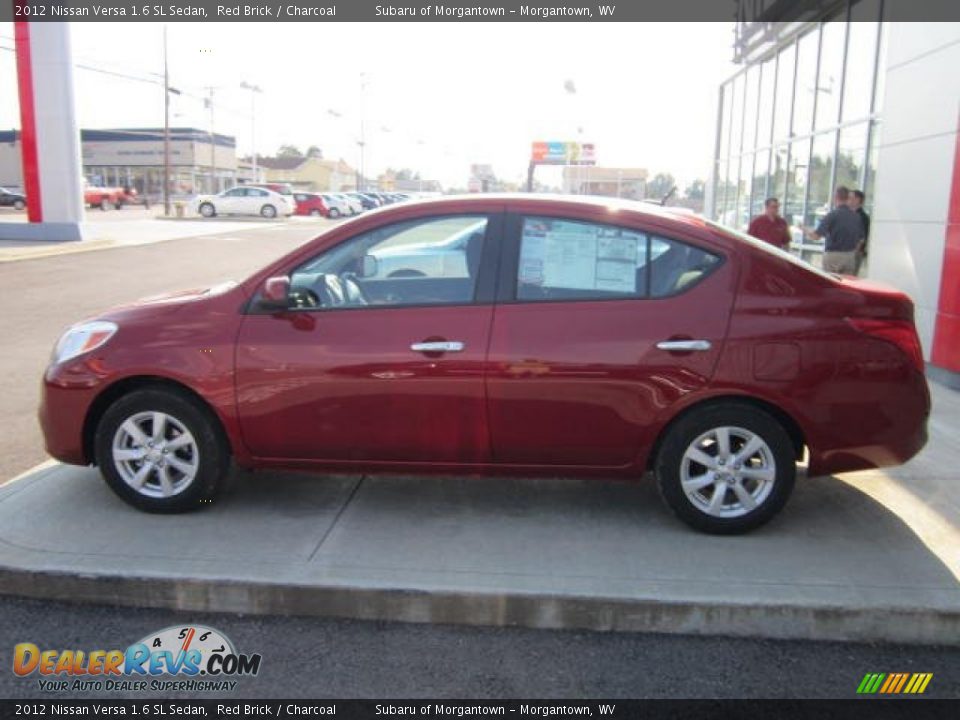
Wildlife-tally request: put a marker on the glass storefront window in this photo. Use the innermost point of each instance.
(853, 145)
(743, 191)
(870, 172)
(758, 191)
(765, 102)
(806, 83)
(861, 54)
(821, 172)
(724, 120)
(796, 183)
(784, 99)
(750, 109)
(832, 41)
(736, 128)
(881, 75)
(778, 175)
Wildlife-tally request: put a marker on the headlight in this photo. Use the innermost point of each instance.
(81, 339)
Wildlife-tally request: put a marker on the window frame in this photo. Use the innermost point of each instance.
(510, 259)
(484, 291)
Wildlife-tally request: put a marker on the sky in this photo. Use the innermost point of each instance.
(434, 97)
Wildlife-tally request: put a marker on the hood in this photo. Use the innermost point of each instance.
(167, 302)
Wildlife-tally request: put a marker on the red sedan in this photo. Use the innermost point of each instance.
(572, 337)
(310, 204)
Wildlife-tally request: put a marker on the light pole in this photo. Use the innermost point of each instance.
(254, 89)
(208, 102)
(363, 112)
(166, 126)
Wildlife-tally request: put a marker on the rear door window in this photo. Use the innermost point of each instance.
(575, 260)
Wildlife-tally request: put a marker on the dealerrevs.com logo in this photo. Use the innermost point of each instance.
(193, 658)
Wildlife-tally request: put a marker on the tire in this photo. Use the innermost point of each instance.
(334, 213)
(268, 211)
(19, 204)
(118, 205)
(315, 213)
(765, 479)
(202, 459)
(207, 210)
(104, 204)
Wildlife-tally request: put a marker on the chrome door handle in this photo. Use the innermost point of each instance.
(683, 345)
(443, 346)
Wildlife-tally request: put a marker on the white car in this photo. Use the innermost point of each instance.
(356, 207)
(444, 258)
(245, 201)
(337, 205)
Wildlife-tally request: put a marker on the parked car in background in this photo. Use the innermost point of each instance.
(366, 202)
(9, 198)
(311, 204)
(355, 206)
(442, 258)
(569, 346)
(282, 188)
(336, 205)
(245, 200)
(105, 197)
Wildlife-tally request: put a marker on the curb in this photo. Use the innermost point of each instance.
(913, 626)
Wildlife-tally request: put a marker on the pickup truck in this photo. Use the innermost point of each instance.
(104, 197)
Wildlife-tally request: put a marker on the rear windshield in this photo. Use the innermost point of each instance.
(767, 247)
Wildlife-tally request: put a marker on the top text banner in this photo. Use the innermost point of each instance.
(412, 11)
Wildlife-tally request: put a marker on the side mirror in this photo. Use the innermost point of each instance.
(275, 293)
(370, 266)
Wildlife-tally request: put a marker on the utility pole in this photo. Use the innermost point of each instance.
(254, 89)
(213, 142)
(363, 112)
(166, 127)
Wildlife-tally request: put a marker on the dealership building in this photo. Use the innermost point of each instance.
(834, 94)
(200, 162)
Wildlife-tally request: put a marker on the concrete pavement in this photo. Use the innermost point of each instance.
(873, 556)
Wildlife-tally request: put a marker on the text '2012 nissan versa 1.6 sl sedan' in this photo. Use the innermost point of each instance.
(570, 337)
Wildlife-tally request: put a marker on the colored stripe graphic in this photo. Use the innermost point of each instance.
(894, 683)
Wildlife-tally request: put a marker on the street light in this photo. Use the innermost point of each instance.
(254, 89)
(167, 91)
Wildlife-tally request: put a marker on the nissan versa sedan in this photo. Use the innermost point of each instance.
(587, 338)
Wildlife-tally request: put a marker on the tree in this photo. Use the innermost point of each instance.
(695, 190)
(661, 184)
(314, 151)
(289, 151)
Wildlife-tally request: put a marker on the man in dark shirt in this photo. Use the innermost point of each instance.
(841, 230)
(770, 227)
(856, 204)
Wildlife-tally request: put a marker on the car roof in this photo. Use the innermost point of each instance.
(542, 202)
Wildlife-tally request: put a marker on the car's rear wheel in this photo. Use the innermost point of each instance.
(207, 210)
(315, 213)
(334, 213)
(726, 469)
(268, 211)
(18, 205)
(104, 203)
(161, 451)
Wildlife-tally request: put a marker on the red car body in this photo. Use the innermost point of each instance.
(310, 204)
(550, 388)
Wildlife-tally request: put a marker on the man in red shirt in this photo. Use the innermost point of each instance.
(770, 227)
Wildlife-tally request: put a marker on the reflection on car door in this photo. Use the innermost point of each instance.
(575, 373)
(380, 382)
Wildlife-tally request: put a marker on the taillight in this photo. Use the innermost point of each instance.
(899, 332)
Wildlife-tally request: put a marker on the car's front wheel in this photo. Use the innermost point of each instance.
(161, 451)
(19, 204)
(726, 469)
(207, 210)
(334, 213)
(268, 211)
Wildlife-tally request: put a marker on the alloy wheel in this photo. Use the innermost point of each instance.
(155, 454)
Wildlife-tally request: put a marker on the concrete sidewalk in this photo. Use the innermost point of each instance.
(136, 226)
(874, 556)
